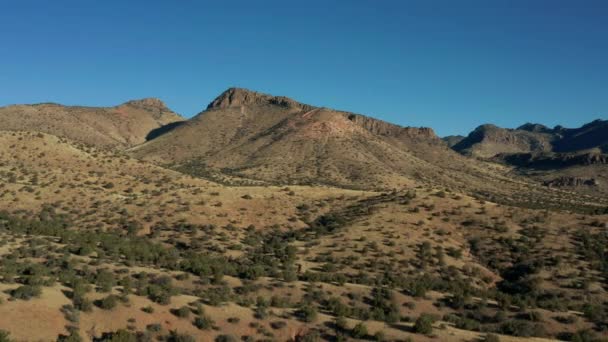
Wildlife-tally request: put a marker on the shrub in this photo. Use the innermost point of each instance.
(174, 336)
(424, 324)
(154, 327)
(226, 338)
(522, 328)
(379, 336)
(278, 325)
(82, 303)
(4, 336)
(491, 338)
(26, 292)
(121, 335)
(203, 322)
(74, 336)
(108, 303)
(341, 323)
(359, 331)
(308, 313)
(182, 312)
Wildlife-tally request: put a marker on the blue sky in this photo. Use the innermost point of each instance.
(450, 65)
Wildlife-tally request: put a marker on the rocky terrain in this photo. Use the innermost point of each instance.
(264, 219)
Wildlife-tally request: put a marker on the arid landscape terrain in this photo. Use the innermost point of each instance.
(266, 219)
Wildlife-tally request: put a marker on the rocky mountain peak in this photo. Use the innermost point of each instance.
(150, 103)
(236, 97)
(534, 127)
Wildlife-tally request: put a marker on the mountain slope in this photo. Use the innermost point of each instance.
(120, 126)
(280, 141)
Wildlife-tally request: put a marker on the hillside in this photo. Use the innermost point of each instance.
(104, 246)
(121, 126)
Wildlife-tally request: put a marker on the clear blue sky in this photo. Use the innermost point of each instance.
(450, 65)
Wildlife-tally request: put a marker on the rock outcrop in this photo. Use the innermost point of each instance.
(234, 97)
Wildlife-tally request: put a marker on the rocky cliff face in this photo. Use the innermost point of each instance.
(382, 128)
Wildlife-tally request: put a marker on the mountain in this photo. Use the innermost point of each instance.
(487, 141)
(452, 140)
(572, 158)
(121, 126)
(277, 139)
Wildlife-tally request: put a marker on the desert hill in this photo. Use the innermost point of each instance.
(121, 126)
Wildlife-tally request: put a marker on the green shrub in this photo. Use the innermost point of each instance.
(307, 313)
(174, 336)
(424, 324)
(108, 303)
(182, 312)
(203, 322)
(4, 336)
(26, 292)
(121, 335)
(226, 338)
(491, 338)
(359, 331)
